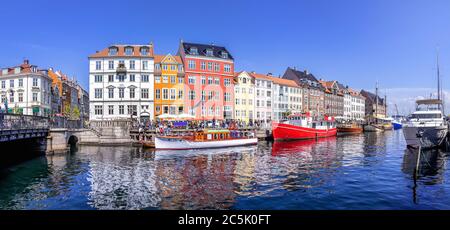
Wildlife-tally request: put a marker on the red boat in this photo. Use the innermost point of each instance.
(302, 126)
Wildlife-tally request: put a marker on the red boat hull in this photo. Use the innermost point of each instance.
(291, 132)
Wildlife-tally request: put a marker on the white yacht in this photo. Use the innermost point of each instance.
(427, 126)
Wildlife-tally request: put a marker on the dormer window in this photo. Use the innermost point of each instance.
(112, 51)
(193, 51)
(129, 51)
(209, 52)
(224, 54)
(144, 51)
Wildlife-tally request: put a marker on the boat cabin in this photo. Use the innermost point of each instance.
(221, 134)
(305, 120)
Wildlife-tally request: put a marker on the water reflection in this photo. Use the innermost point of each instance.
(357, 172)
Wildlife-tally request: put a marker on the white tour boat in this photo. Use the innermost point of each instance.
(206, 139)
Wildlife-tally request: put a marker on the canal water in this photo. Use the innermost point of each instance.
(367, 171)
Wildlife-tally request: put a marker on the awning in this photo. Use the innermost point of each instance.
(36, 109)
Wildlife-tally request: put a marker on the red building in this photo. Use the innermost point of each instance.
(209, 86)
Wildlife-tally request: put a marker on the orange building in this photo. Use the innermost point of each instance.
(169, 85)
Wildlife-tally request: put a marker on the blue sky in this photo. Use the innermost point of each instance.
(354, 41)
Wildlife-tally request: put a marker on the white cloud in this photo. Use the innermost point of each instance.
(405, 99)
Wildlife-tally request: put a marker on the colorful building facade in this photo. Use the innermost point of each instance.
(169, 85)
(244, 93)
(209, 81)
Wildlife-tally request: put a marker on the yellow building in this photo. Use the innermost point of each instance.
(169, 85)
(244, 97)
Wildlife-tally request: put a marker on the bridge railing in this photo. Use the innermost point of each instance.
(63, 122)
(17, 121)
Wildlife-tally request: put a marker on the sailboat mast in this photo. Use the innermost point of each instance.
(376, 99)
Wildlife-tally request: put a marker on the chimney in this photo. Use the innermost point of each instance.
(26, 62)
(306, 72)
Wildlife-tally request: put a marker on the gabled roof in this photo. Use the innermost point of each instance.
(161, 58)
(372, 97)
(201, 50)
(301, 77)
(121, 51)
(25, 67)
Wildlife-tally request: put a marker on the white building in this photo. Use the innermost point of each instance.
(263, 98)
(121, 82)
(25, 90)
(358, 106)
(286, 98)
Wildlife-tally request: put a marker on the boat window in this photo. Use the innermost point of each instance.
(209, 137)
(215, 136)
(426, 116)
(221, 136)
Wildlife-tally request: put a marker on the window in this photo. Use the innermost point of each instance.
(158, 109)
(269, 104)
(224, 54)
(209, 66)
(132, 64)
(227, 82)
(132, 78)
(110, 78)
(98, 110)
(20, 97)
(244, 101)
(111, 93)
(98, 93)
(144, 93)
(237, 101)
(203, 95)
(173, 94)
(11, 83)
(35, 97)
(130, 109)
(98, 78)
(216, 67)
(144, 65)
(203, 65)
(157, 79)
(210, 95)
(269, 93)
(203, 80)
(210, 80)
(144, 78)
(158, 94)
(180, 80)
(193, 50)
(173, 79)
(128, 51)
(121, 92)
(165, 79)
(121, 109)
(164, 67)
(121, 77)
(191, 64)
(110, 109)
(227, 97)
(112, 51)
(110, 65)
(165, 94)
(157, 66)
(217, 81)
(144, 51)
(191, 80)
(227, 68)
(132, 92)
(217, 111)
(209, 52)
(191, 94)
(250, 101)
(173, 67)
(3, 84)
(98, 65)
(35, 82)
(11, 96)
(180, 94)
(165, 109)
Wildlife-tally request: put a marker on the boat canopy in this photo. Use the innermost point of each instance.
(217, 131)
(429, 102)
